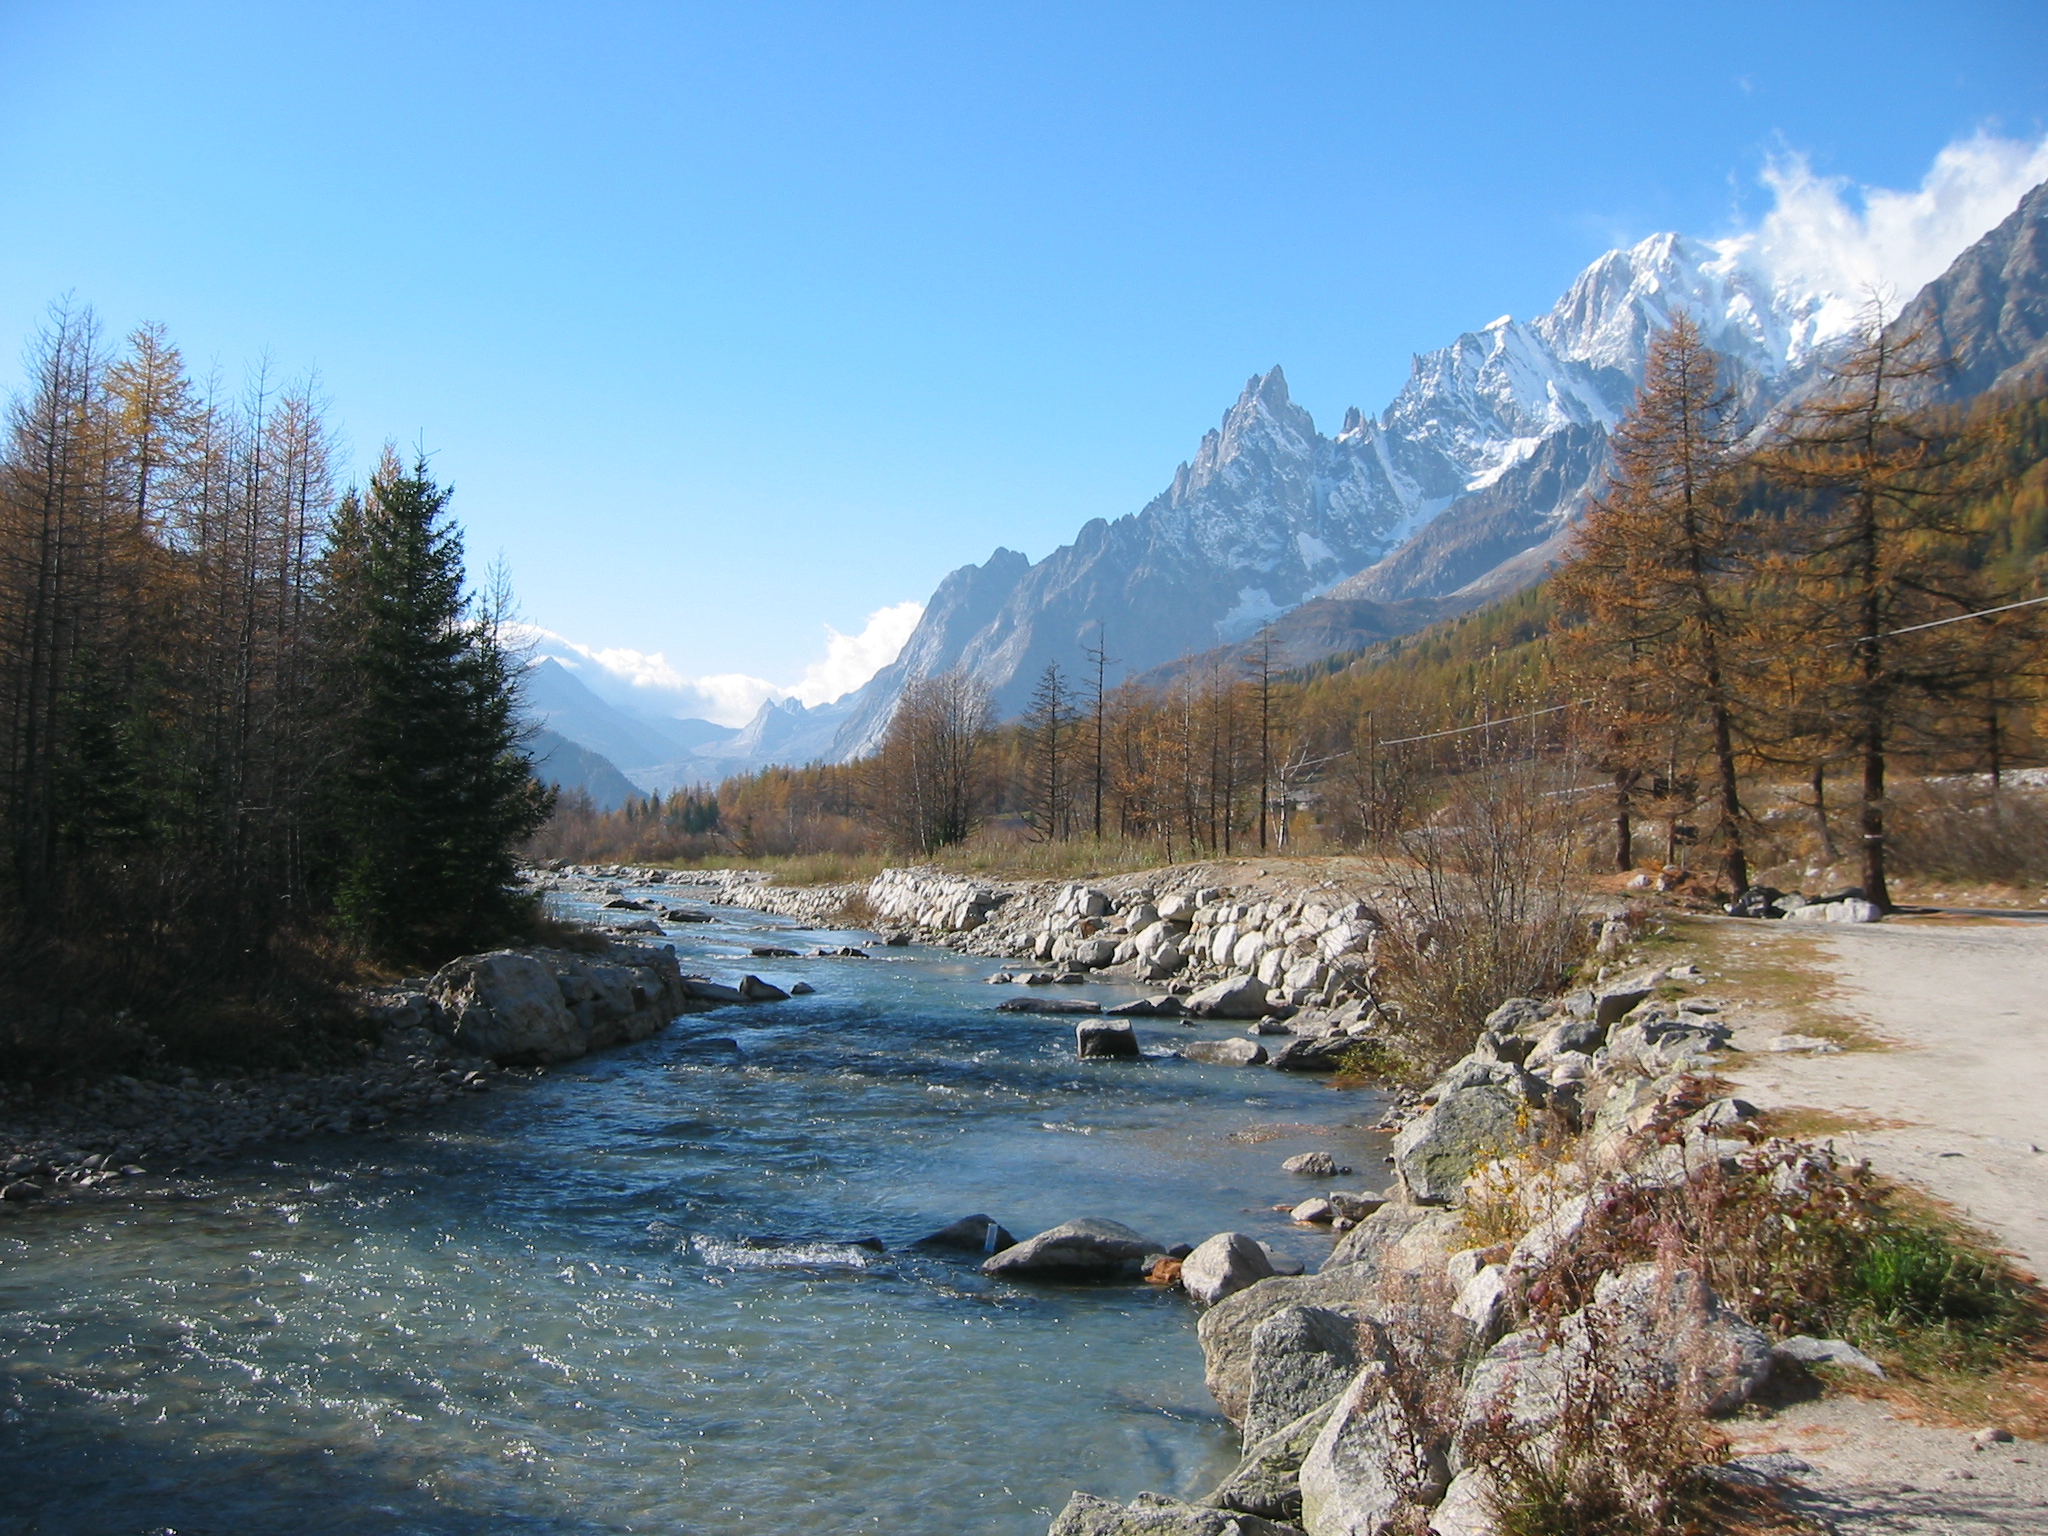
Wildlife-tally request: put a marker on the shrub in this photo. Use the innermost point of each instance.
(1489, 909)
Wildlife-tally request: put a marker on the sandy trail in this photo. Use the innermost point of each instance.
(1959, 1106)
(1962, 1097)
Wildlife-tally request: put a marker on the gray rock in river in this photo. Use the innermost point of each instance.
(755, 990)
(507, 1006)
(1106, 1040)
(1314, 1165)
(1088, 1248)
(1048, 1005)
(970, 1234)
(1236, 1052)
(1268, 1480)
(1222, 1266)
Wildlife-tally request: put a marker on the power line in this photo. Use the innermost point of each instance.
(1484, 725)
(1981, 613)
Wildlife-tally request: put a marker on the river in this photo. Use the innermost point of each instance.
(630, 1296)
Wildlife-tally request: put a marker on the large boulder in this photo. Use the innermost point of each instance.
(1438, 1151)
(1048, 1005)
(970, 1234)
(1234, 1052)
(1222, 1266)
(1235, 997)
(1399, 1240)
(1371, 1461)
(1093, 954)
(1303, 1054)
(1648, 1329)
(1106, 1040)
(1088, 1248)
(1267, 1481)
(1153, 1514)
(1226, 1331)
(1301, 1358)
(507, 1006)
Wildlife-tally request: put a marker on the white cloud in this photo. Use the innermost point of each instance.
(851, 660)
(646, 680)
(1826, 235)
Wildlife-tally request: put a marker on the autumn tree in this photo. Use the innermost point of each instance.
(1652, 582)
(1883, 554)
(929, 773)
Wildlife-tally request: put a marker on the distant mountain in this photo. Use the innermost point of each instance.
(559, 761)
(560, 700)
(1441, 501)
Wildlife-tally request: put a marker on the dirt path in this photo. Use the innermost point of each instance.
(1959, 1103)
(1955, 1100)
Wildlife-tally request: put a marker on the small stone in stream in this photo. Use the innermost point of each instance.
(1180, 1250)
(1037, 978)
(844, 952)
(625, 904)
(801, 989)
(896, 940)
(1225, 1053)
(1315, 1209)
(1001, 979)
(970, 1234)
(772, 952)
(21, 1189)
(1106, 1040)
(754, 990)
(683, 915)
(1314, 1165)
(1269, 1027)
(1072, 979)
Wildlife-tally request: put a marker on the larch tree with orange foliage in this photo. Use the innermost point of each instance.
(1652, 579)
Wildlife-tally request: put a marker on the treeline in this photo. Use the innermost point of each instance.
(1805, 603)
(251, 724)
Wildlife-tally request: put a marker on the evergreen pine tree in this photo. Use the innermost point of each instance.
(434, 793)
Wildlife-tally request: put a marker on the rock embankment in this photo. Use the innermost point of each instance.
(1368, 1393)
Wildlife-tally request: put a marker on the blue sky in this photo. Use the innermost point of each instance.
(731, 323)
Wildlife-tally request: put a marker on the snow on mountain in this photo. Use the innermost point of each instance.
(1269, 513)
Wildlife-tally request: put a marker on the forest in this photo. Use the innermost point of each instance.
(1843, 599)
(259, 737)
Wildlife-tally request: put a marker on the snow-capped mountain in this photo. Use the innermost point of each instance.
(1484, 454)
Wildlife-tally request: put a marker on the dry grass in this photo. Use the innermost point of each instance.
(1777, 969)
(1801, 1122)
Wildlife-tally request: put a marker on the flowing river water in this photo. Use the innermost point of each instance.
(630, 1296)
